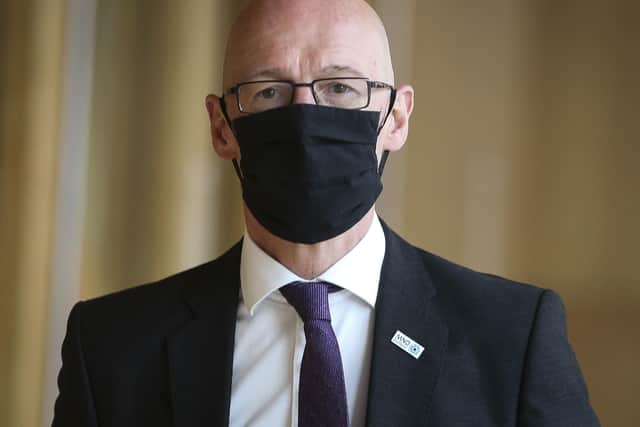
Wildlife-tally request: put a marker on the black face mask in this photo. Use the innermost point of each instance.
(309, 172)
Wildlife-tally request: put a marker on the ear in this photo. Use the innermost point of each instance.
(394, 134)
(222, 138)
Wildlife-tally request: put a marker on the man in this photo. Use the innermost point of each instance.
(321, 315)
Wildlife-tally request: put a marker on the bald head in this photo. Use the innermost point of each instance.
(303, 40)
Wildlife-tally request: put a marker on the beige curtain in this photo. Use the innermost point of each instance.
(522, 160)
(31, 34)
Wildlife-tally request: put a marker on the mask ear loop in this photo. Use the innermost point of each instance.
(223, 108)
(385, 153)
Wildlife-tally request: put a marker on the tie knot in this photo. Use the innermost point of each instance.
(310, 299)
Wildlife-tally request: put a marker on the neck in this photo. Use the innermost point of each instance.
(307, 260)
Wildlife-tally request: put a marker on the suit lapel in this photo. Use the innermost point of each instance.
(401, 387)
(201, 352)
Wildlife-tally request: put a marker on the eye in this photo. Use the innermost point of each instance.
(267, 93)
(339, 88)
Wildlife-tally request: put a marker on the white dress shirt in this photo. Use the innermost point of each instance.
(269, 338)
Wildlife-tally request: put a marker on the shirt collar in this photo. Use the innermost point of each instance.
(358, 271)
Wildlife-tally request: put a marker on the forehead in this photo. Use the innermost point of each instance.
(302, 45)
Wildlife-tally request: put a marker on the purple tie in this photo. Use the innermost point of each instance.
(322, 399)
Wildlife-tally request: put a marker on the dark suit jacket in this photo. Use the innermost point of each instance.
(496, 352)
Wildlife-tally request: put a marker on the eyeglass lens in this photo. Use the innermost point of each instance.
(254, 97)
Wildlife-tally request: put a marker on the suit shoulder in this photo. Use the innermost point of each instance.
(452, 278)
(490, 314)
(165, 289)
(483, 304)
(152, 300)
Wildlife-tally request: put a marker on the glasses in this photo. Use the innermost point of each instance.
(342, 92)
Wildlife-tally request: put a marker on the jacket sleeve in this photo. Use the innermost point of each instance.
(74, 406)
(553, 390)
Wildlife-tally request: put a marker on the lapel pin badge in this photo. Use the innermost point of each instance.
(407, 344)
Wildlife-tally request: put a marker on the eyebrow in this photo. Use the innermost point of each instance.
(279, 73)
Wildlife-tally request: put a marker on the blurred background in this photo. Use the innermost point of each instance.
(522, 161)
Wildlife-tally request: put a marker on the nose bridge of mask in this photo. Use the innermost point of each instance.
(304, 140)
(356, 126)
(298, 122)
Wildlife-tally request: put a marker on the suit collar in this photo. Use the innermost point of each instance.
(400, 386)
(201, 352)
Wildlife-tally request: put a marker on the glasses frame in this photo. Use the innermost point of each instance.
(371, 84)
